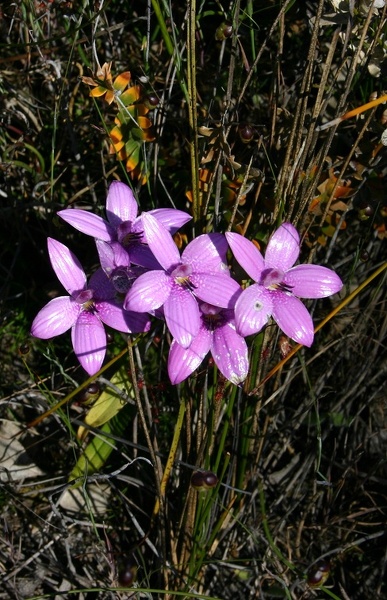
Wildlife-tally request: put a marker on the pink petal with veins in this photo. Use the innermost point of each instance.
(283, 248)
(247, 255)
(89, 341)
(293, 318)
(121, 204)
(55, 318)
(67, 267)
(312, 281)
(88, 223)
(182, 315)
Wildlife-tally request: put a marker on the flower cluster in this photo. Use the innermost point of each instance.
(143, 274)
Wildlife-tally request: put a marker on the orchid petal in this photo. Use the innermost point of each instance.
(207, 253)
(183, 361)
(230, 353)
(215, 288)
(101, 286)
(89, 341)
(142, 256)
(252, 310)
(88, 223)
(55, 318)
(120, 204)
(247, 255)
(148, 292)
(112, 314)
(67, 267)
(111, 255)
(106, 256)
(293, 318)
(182, 315)
(283, 248)
(160, 242)
(171, 218)
(312, 281)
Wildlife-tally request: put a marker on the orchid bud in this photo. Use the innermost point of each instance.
(89, 394)
(364, 256)
(246, 133)
(203, 480)
(24, 349)
(284, 346)
(318, 573)
(151, 101)
(224, 31)
(366, 212)
(127, 573)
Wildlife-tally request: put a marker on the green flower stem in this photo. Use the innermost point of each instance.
(192, 112)
(267, 531)
(189, 92)
(174, 53)
(171, 456)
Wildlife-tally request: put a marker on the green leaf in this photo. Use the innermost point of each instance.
(110, 402)
(96, 453)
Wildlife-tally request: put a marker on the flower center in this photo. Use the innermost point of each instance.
(86, 299)
(126, 236)
(123, 278)
(120, 281)
(272, 280)
(181, 275)
(212, 316)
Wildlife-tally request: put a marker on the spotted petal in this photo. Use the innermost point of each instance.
(55, 318)
(182, 315)
(67, 267)
(283, 248)
(183, 361)
(246, 254)
(88, 223)
(230, 353)
(121, 205)
(89, 341)
(293, 318)
(312, 281)
(252, 310)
